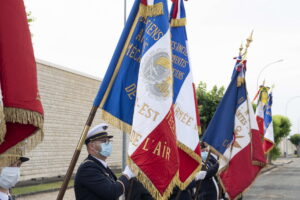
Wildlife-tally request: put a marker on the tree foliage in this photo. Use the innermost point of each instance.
(208, 102)
(30, 19)
(295, 139)
(282, 128)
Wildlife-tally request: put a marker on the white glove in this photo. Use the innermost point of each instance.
(201, 175)
(127, 171)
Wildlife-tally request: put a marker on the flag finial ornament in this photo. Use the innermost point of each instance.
(249, 40)
(241, 49)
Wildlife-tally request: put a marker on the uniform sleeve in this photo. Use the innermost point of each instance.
(98, 183)
(213, 169)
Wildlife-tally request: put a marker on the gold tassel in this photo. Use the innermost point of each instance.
(240, 81)
(151, 10)
(149, 186)
(109, 118)
(13, 154)
(22, 116)
(178, 22)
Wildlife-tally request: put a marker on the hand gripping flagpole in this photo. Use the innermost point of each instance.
(76, 154)
(198, 186)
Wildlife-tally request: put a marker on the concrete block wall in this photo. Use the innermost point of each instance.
(67, 97)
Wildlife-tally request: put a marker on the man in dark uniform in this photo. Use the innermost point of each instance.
(9, 177)
(209, 188)
(94, 180)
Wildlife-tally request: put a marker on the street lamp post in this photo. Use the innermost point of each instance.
(298, 124)
(266, 66)
(286, 109)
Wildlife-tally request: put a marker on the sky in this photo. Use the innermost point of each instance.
(82, 35)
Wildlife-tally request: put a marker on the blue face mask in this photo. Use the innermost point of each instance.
(204, 155)
(106, 149)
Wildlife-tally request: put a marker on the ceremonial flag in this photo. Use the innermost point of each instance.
(18, 78)
(152, 146)
(184, 99)
(117, 94)
(268, 124)
(136, 96)
(262, 100)
(230, 133)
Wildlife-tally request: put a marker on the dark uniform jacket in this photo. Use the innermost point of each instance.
(137, 191)
(95, 182)
(208, 190)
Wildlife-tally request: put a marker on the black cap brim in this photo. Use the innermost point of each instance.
(23, 159)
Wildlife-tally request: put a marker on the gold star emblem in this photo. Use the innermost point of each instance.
(235, 143)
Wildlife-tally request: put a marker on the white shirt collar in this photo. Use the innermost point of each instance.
(3, 196)
(102, 161)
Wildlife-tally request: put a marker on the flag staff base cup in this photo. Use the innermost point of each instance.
(76, 154)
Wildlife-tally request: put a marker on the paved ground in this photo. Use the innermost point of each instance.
(49, 196)
(282, 182)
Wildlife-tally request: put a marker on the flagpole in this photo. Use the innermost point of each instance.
(76, 154)
(124, 137)
(198, 186)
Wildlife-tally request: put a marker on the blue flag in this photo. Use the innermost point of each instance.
(116, 96)
(219, 133)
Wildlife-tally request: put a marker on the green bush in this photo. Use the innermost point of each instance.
(295, 139)
(275, 153)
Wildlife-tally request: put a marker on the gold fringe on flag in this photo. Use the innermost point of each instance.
(258, 163)
(2, 125)
(109, 118)
(149, 186)
(178, 22)
(183, 185)
(271, 147)
(241, 194)
(13, 154)
(189, 151)
(22, 116)
(151, 10)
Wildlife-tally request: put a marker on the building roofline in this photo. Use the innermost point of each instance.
(66, 69)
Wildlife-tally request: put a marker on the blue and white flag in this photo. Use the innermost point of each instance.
(184, 99)
(117, 93)
(268, 125)
(136, 96)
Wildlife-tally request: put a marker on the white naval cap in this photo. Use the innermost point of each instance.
(97, 132)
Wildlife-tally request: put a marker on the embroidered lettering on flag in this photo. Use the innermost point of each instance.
(231, 132)
(152, 146)
(184, 99)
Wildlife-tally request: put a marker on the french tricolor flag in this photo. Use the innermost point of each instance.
(184, 99)
(233, 134)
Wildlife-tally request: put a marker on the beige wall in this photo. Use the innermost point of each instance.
(67, 98)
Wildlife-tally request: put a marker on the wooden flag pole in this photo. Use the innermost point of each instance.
(76, 154)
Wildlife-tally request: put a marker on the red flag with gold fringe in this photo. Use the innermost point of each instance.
(23, 110)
